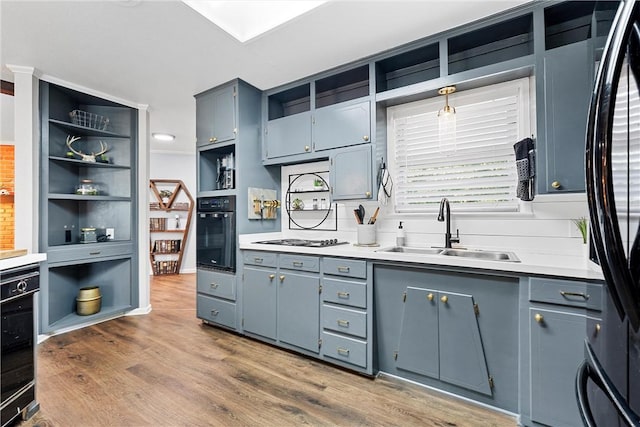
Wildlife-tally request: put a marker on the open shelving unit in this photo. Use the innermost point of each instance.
(309, 215)
(168, 234)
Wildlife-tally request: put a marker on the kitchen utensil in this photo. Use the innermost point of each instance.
(361, 212)
(372, 220)
(356, 213)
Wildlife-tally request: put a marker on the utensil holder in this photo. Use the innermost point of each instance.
(366, 234)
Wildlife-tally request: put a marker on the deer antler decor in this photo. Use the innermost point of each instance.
(86, 157)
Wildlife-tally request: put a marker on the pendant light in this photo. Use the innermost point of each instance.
(447, 122)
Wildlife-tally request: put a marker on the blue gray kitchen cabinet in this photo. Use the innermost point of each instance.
(288, 136)
(346, 313)
(342, 125)
(564, 92)
(82, 195)
(299, 307)
(216, 297)
(452, 330)
(350, 173)
(556, 320)
(259, 301)
(216, 115)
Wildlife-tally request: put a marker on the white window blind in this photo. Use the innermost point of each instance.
(477, 171)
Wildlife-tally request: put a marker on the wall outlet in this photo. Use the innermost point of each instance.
(110, 232)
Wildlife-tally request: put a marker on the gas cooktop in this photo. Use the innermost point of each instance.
(303, 242)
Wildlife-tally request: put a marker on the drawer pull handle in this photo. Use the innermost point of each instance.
(574, 294)
(282, 278)
(298, 263)
(343, 351)
(343, 323)
(444, 299)
(214, 312)
(258, 260)
(430, 297)
(539, 318)
(94, 253)
(214, 286)
(343, 269)
(598, 327)
(343, 294)
(272, 276)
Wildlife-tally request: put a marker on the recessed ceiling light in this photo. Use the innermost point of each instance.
(163, 136)
(245, 20)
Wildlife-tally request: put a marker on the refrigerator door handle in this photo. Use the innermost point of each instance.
(592, 369)
(604, 221)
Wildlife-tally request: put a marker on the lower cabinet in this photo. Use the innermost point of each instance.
(452, 330)
(556, 320)
(314, 305)
(216, 297)
(439, 337)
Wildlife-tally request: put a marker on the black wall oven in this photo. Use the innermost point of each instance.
(17, 380)
(216, 233)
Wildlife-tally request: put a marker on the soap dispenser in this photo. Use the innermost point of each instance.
(400, 235)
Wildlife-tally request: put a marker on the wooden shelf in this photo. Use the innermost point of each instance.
(166, 264)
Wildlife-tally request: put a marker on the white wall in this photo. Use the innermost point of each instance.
(180, 166)
(547, 228)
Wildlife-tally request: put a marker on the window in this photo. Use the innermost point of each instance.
(477, 171)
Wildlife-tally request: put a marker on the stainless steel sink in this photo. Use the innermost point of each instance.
(410, 250)
(483, 255)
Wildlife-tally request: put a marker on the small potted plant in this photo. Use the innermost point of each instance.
(318, 183)
(165, 195)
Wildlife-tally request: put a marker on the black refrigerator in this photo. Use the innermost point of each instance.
(608, 382)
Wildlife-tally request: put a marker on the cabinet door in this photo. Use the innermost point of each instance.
(568, 81)
(557, 349)
(288, 136)
(350, 173)
(462, 359)
(216, 116)
(299, 310)
(259, 301)
(418, 345)
(342, 125)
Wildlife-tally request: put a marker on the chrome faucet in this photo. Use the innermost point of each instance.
(444, 204)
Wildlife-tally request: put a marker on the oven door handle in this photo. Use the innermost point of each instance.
(20, 295)
(592, 369)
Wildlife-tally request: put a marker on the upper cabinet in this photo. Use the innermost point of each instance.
(304, 121)
(564, 85)
(216, 115)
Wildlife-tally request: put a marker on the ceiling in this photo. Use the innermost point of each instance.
(161, 53)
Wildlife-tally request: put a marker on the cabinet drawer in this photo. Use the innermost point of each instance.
(345, 267)
(265, 259)
(299, 262)
(345, 349)
(344, 320)
(216, 311)
(565, 292)
(344, 292)
(88, 251)
(216, 284)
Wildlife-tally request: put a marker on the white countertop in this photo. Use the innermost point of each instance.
(19, 261)
(530, 263)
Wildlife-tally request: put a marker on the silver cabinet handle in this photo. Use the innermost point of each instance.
(343, 351)
(214, 286)
(214, 313)
(298, 263)
(258, 260)
(574, 294)
(343, 269)
(342, 294)
(343, 323)
(94, 253)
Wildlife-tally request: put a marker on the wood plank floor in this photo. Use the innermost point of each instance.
(168, 369)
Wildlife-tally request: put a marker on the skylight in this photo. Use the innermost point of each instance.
(246, 20)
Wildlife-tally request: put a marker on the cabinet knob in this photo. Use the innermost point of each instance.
(282, 278)
(556, 184)
(598, 327)
(365, 138)
(430, 297)
(368, 194)
(444, 299)
(307, 148)
(539, 318)
(213, 139)
(272, 276)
